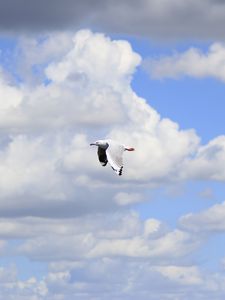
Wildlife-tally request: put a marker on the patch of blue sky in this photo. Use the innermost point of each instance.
(168, 204)
(25, 267)
(211, 254)
(7, 48)
(9, 56)
(8, 43)
(8, 59)
(192, 103)
(38, 71)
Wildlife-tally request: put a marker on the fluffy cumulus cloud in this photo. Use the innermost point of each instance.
(157, 19)
(62, 207)
(193, 63)
(84, 94)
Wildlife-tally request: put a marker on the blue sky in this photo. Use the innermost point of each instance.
(191, 103)
(133, 72)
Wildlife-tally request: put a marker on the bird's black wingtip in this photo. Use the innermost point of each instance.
(120, 171)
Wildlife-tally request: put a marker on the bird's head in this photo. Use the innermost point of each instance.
(100, 143)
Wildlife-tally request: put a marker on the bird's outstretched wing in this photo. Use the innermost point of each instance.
(102, 156)
(115, 156)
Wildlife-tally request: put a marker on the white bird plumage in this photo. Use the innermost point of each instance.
(112, 152)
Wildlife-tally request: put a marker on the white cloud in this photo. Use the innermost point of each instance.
(45, 155)
(118, 253)
(154, 228)
(114, 278)
(85, 58)
(185, 275)
(173, 244)
(207, 221)
(113, 235)
(208, 162)
(96, 253)
(10, 96)
(193, 63)
(82, 79)
(127, 198)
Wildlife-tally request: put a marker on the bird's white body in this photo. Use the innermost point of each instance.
(112, 152)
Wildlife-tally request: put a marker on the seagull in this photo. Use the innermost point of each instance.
(112, 152)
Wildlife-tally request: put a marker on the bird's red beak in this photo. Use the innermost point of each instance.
(130, 149)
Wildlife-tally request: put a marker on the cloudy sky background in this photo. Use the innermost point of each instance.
(150, 74)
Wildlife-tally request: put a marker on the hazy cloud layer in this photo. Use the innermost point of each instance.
(201, 19)
(115, 255)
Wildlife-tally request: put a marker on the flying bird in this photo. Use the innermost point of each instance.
(112, 152)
